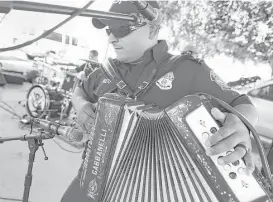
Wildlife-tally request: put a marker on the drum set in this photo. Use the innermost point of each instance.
(50, 96)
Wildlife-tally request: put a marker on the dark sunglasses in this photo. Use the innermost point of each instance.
(123, 31)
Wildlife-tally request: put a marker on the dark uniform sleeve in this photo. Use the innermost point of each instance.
(80, 68)
(96, 85)
(207, 81)
(90, 84)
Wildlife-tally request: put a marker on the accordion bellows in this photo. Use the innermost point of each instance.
(138, 152)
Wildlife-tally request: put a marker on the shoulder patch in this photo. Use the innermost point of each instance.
(214, 77)
(165, 82)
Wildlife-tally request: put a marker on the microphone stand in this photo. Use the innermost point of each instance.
(34, 141)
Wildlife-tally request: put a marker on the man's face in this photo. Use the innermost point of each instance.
(131, 47)
(91, 56)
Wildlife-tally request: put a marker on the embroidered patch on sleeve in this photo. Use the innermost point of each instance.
(165, 82)
(214, 77)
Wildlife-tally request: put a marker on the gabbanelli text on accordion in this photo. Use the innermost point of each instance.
(139, 152)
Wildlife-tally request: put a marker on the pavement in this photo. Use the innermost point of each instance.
(50, 177)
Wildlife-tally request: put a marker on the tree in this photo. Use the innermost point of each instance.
(241, 29)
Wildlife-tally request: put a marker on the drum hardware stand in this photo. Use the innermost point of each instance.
(34, 142)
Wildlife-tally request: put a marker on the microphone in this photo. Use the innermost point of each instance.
(147, 11)
(70, 133)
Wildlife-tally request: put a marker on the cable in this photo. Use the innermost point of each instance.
(3, 18)
(22, 126)
(75, 152)
(74, 14)
(13, 113)
(261, 151)
(11, 199)
(5, 103)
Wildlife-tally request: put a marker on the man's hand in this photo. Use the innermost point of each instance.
(232, 134)
(86, 116)
(81, 76)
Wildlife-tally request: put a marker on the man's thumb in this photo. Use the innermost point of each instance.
(218, 115)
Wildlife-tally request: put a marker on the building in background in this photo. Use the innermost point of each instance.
(73, 40)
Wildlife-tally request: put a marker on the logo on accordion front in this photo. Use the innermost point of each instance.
(92, 189)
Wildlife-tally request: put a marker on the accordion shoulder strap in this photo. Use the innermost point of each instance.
(109, 70)
(168, 66)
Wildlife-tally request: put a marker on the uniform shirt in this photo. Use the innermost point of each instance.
(187, 76)
(87, 68)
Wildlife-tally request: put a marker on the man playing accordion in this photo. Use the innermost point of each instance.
(139, 57)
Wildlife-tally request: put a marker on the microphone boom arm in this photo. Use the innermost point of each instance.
(7, 6)
(41, 136)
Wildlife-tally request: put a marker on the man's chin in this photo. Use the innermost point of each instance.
(121, 58)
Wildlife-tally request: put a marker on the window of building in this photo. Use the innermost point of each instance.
(74, 41)
(66, 39)
(55, 36)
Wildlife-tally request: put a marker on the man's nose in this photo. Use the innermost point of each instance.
(112, 38)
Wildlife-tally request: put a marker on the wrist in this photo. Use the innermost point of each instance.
(78, 103)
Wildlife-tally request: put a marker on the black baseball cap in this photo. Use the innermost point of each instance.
(124, 7)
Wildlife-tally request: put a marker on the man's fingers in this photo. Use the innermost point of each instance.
(223, 133)
(83, 127)
(89, 113)
(250, 166)
(218, 115)
(225, 144)
(232, 156)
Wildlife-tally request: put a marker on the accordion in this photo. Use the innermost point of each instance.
(139, 152)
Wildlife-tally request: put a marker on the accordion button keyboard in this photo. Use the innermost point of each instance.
(229, 152)
(236, 163)
(205, 136)
(201, 122)
(233, 175)
(240, 170)
(220, 157)
(227, 167)
(213, 130)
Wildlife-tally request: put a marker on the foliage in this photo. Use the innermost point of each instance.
(242, 29)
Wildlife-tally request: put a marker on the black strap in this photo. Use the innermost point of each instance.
(108, 68)
(168, 67)
(154, 74)
(144, 81)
